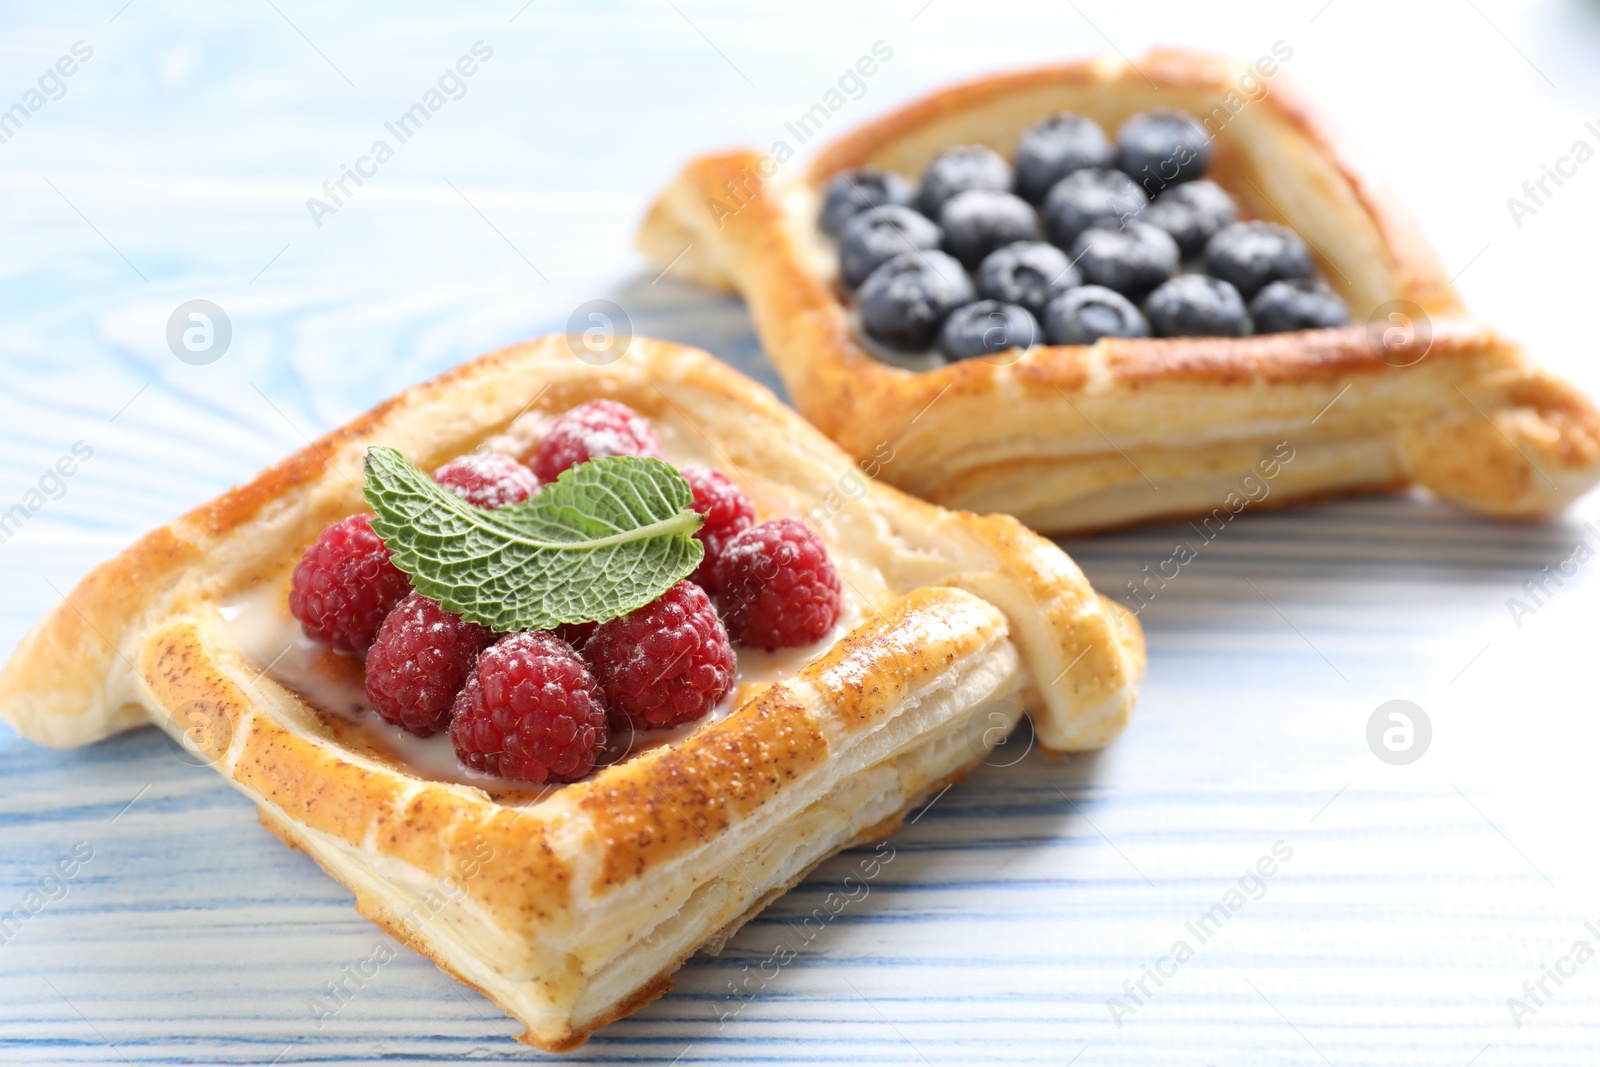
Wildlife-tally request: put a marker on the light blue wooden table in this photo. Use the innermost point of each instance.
(1024, 912)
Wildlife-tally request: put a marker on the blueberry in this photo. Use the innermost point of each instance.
(1249, 255)
(985, 327)
(1297, 305)
(1132, 260)
(1161, 148)
(977, 222)
(1193, 305)
(1083, 315)
(853, 191)
(1028, 273)
(1086, 197)
(1053, 148)
(906, 300)
(1192, 213)
(878, 234)
(955, 170)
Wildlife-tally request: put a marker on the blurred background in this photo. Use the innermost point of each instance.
(175, 163)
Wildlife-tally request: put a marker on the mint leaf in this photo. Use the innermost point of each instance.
(607, 537)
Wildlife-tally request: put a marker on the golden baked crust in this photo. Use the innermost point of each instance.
(572, 906)
(1079, 438)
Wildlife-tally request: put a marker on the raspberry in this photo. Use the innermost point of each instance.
(487, 479)
(727, 511)
(344, 585)
(530, 710)
(665, 664)
(589, 431)
(419, 662)
(778, 587)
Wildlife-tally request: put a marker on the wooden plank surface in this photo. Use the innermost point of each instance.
(1024, 911)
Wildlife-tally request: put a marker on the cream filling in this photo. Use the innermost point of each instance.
(259, 625)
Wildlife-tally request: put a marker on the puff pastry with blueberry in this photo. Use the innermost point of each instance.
(1102, 292)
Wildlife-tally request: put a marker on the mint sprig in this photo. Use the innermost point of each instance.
(607, 537)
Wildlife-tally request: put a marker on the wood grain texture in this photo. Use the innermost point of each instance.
(1023, 898)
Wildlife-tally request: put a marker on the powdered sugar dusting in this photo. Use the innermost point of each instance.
(591, 431)
(488, 479)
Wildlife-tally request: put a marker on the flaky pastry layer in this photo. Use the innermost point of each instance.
(1073, 438)
(572, 906)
